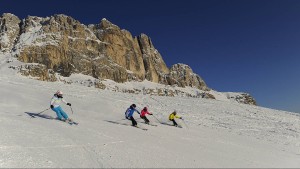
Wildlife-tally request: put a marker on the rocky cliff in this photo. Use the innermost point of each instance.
(102, 50)
(9, 31)
(62, 45)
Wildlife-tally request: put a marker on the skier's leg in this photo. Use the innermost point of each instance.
(64, 114)
(56, 110)
(174, 122)
(134, 123)
(131, 118)
(146, 120)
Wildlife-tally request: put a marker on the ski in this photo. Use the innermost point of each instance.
(152, 125)
(71, 122)
(138, 127)
(33, 116)
(149, 124)
(167, 124)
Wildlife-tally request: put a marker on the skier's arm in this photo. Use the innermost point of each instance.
(69, 104)
(64, 101)
(51, 103)
(126, 111)
(137, 111)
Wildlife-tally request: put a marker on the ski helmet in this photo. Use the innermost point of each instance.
(133, 105)
(145, 108)
(59, 93)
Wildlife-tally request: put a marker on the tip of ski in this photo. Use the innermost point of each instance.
(140, 128)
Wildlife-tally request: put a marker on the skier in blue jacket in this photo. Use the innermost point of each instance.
(129, 114)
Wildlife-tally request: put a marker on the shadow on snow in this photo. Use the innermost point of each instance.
(44, 116)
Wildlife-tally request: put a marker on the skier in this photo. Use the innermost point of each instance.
(55, 106)
(172, 117)
(129, 114)
(143, 115)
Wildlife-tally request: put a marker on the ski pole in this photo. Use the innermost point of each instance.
(185, 123)
(71, 109)
(156, 118)
(42, 111)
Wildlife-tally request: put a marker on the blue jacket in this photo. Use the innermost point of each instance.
(129, 112)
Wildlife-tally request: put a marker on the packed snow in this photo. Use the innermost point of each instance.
(215, 133)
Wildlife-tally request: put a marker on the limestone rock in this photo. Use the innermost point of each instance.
(246, 99)
(183, 75)
(156, 69)
(121, 47)
(9, 31)
(99, 85)
(103, 51)
(38, 71)
(241, 98)
(59, 42)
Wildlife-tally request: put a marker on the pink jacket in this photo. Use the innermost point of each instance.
(143, 113)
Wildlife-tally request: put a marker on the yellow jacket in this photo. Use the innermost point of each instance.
(172, 116)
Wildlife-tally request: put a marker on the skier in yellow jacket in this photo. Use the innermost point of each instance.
(172, 117)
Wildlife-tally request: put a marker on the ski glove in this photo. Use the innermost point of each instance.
(69, 104)
(51, 106)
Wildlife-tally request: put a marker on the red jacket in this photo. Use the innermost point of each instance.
(143, 113)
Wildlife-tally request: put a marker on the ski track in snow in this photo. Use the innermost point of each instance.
(218, 133)
(58, 146)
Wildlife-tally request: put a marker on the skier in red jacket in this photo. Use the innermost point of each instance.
(143, 115)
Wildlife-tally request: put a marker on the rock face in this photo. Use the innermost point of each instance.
(122, 49)
(183, 75)
(102, 50)
(9, 31)
(246, 99)
(39, 71)
(62, 45)
(156, 69)
(59, 42)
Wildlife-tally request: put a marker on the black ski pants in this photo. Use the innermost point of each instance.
(145, 119)
(134, 123)
(174, 122)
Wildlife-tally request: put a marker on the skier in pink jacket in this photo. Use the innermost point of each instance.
(143, 115)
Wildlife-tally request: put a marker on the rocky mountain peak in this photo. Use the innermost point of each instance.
(103, 50)
(61, 44)
(183, 75)
(8, 15)
(145, 42)
(106, 24)
(65, 20)
(9, 31)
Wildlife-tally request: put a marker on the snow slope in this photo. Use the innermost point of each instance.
(218, 133)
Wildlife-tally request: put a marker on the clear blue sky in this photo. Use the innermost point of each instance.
(234, 45)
